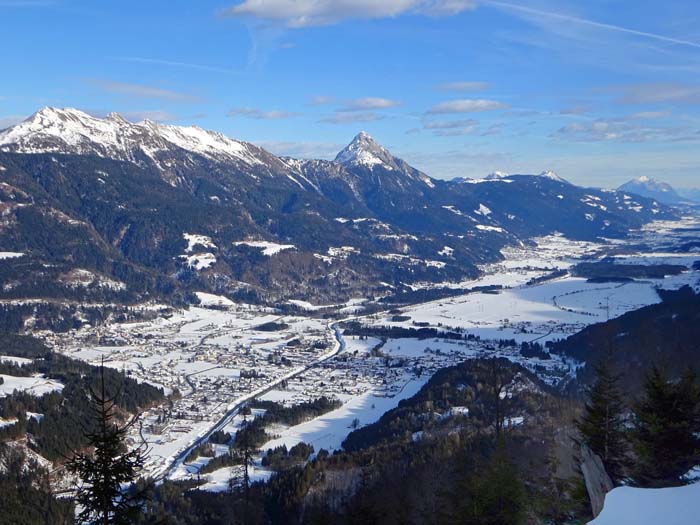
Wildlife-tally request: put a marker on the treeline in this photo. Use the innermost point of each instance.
(253, 433)
(66, 414)
(651, 442)
(666, 334)
(400, 332)
(610, 270)
(26, 494)
(424, 295)
(478, 385)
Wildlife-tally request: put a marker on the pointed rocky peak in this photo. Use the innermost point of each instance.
(367, 152)
(117, 118)
(549, 174)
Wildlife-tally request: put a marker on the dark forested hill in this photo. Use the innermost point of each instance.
(104, 210)
(665, 334)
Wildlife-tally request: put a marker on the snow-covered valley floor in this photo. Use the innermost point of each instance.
(217, 354)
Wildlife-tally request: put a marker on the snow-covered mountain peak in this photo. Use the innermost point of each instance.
(365, 151)
(496, 175)
(71, 131)
(652, 188)
(549, 174)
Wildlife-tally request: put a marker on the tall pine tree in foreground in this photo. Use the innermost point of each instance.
(666, 432)
(107, 469)
(602, 425)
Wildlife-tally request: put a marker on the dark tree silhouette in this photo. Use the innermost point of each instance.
(667, 426)
(106, 469)
(602, 425)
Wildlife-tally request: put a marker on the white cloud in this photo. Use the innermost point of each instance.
(466, 106)
(307, 13)
(260, 114)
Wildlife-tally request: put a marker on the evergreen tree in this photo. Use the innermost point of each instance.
(602, 425)
(107, 468)
(494, 493)
(666, 429)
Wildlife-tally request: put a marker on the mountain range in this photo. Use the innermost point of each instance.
(104, 209)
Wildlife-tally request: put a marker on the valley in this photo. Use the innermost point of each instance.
(214, 357)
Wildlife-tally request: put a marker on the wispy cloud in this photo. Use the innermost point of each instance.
(624, 130)
(174, 63)
(578, 109)
(658, 93)
(302, 150)
(346, 117)
(26, 3)
(370, 103)
(308, 13)
(450, 128)
(449, 124)
(648, 115)
(321, 100)
(466, 106)
(142, 91)
(464, 86)
(260, 114)
(516, 8)
(155, 114)
(11, 120)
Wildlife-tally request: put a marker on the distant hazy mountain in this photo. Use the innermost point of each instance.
(653, 189)
(167, 209)
(691, 194)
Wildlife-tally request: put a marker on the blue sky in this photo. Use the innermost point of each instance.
(599, 91)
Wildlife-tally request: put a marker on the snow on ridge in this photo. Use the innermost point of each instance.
(199, 261)
(52, 130)
(268, 248)
(483, 210)
(10, 255)
(490, 228)
(194, 239)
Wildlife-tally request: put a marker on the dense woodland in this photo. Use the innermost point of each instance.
(66, 414)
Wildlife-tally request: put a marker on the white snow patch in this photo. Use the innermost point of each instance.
(194, 239)
(37, 385)
(10, 255)
(268, 248)
(634, 506)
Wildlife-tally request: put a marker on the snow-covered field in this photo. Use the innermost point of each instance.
(36, 385)
(215, 356)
